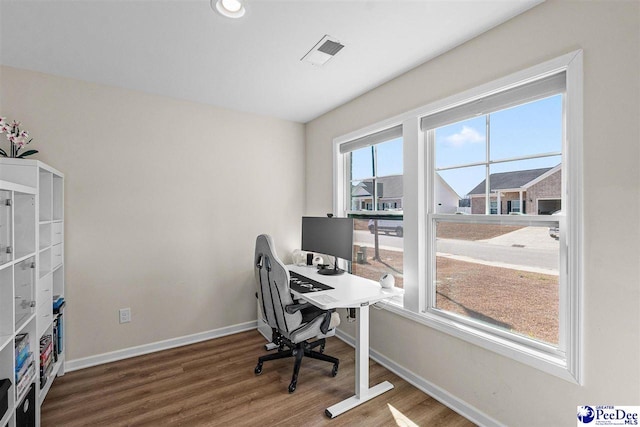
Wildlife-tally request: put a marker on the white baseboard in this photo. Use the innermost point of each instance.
(125, 353)
(461, 407)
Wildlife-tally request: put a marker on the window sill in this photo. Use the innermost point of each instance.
(540, 360)
(397, 300)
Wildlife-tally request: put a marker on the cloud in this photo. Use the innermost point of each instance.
(466, 135)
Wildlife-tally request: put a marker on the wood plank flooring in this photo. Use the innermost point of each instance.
(212, 384)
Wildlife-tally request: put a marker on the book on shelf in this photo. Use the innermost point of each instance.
(55, 340)
(22, 341)
(22, 349)
(21, 371)
(58, 304)
(44, 375)
(60, 333)
(46, 348)
(26, 380)
(22, 361)
(45, 366)
(46, 358)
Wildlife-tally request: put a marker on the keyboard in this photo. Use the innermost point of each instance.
(303, 285)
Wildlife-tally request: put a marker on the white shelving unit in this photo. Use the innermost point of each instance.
(31, 272)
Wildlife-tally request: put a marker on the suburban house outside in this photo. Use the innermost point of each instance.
(531, 192)
(389, 190)
(390, 195)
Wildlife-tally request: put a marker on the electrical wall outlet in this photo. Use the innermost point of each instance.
(125, 315)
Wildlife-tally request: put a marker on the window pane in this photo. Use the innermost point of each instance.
(461, 143)
(460, 190)
(376, 254)
(389, 158)
(501, 275)
(536, 182)
(362, 163)
(528, 129)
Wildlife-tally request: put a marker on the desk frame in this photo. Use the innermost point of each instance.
(363, 391)
(371, 293)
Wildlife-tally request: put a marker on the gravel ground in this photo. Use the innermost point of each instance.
(518, 301)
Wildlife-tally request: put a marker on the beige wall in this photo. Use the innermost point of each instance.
(510, 392)
(164, 199)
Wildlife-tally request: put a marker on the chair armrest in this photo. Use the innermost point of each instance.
(292, 308)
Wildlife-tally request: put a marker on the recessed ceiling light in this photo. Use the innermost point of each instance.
(229, 8)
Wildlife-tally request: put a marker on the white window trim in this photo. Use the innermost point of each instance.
(415, 184)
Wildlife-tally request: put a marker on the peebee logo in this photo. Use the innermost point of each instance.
(603, 415)
(586, 414)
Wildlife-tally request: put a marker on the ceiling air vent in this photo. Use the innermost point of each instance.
(323, 51)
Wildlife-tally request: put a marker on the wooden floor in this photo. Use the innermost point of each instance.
(213, 384)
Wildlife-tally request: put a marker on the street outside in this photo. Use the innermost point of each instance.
(527, 249)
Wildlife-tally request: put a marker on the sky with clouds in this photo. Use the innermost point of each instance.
(526, 130)
(529, 129)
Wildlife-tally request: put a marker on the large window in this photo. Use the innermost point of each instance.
(374, 193)
(491, 202)
(500, 274)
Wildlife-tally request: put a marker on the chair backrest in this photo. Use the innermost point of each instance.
(272, 280)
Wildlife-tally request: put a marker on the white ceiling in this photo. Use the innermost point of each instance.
(185, 50)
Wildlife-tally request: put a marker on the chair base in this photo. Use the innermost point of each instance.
(298, 351)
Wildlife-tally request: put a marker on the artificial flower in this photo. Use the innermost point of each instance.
(17, 139)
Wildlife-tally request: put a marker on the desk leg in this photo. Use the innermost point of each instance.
(363, 392)
(362, 352)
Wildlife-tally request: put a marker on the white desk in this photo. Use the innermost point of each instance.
(349, 291)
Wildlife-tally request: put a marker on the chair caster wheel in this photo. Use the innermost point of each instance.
(258, 369)
(292, 387)
(334, 371)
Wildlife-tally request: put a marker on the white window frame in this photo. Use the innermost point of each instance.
(566, 364)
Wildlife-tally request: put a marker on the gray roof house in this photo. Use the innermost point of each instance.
(532, 191)
(389, 193)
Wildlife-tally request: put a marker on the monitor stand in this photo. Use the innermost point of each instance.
(331, 271)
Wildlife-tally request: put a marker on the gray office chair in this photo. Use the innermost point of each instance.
(293, 324)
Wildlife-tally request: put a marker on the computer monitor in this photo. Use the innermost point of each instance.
(329, 236)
